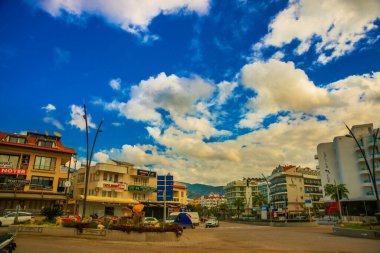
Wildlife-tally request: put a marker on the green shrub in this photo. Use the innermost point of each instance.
(52, 212)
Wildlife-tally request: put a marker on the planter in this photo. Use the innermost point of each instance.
(359, 233)
(112, 235)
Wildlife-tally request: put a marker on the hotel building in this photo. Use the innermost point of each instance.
(295, 189)
(32, 170)
(341, 162)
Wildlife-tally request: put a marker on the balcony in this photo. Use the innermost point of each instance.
(367, 182)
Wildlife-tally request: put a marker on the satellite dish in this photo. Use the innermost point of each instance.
(67, 184)
(46, 132)
(57, 134)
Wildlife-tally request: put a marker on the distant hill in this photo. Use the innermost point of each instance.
(197, 190)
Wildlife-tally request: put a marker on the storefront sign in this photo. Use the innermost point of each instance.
(146, 173)
(6, 165)
(115, 186)
(141, 188)
(18, 182)
(11, 171)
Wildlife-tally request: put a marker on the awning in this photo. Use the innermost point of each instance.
(109, 200)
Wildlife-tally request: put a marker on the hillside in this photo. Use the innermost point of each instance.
(197, 190)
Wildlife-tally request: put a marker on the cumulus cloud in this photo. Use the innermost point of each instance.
(200, 126)
(101, 157)
(49, 107)
(77, 119)
(225, 91)
(280, 86)
(115, 84)
(130, 15)
(54, 122)
(176, 95)
(334, 27)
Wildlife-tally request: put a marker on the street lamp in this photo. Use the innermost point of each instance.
(372, 173)
(269, 199)
(88, 158)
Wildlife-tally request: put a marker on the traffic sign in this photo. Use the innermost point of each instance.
(165, 183)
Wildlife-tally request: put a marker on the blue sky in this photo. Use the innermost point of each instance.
(208, 90)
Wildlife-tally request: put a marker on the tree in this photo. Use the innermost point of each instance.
(332, 190)
(239, 204)
(223, 207)
(259, 199)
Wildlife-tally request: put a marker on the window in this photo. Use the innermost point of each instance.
(10, 161)
(44, 163)
(45, 183)
(105, 176)
(16, 139)
(80, 178)
(48, 144)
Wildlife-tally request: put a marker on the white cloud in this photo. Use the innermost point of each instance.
(54, 122)
(130, 15)
(74, 163)
(49, 107)
(77, 119)
(336, 24)
(115, 84)
(200, 126)
(225, 90)
(117, 124)
(280, 86)
(101, 157)
(176, 95)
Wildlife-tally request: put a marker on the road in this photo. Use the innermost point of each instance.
(229, 237)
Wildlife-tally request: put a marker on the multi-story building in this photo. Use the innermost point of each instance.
(245, 189)
(113, 187)
(116, 186)
(213, 200)
(180, 194)
(342, 162)
(295, 189)
(32, 170)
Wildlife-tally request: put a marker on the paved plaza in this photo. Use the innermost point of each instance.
(229, 237)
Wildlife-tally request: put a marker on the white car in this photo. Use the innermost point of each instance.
(150, 221)
(8, 219)
(212, 222)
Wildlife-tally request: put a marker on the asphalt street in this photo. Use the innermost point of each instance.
(229, 237)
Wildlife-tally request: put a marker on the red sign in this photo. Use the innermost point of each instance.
(114, 186)
(13, 171)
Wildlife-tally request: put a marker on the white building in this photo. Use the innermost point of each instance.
(341, 161)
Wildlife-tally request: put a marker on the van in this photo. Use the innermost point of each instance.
(194, 216)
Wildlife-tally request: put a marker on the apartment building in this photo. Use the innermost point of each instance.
(342, 162)
(213, 200)
(246, 189)
(33, 170)
(294, 189)
(180, 194)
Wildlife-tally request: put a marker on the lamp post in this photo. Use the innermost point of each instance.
(372, 173)
(269, 199)
(88, 158)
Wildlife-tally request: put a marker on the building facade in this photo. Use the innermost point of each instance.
(33, 170)
(342, 162)
(294, 189)
(246, 189)
(115, 186)
(213, 200)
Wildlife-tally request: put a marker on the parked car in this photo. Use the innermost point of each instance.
(70, 217)
(150, 221)
(108, 219)
(8, 219)
(212, 222)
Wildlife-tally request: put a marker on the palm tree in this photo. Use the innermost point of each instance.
(223, 207)
(239, 204)
(332, 190)
(259, 199)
